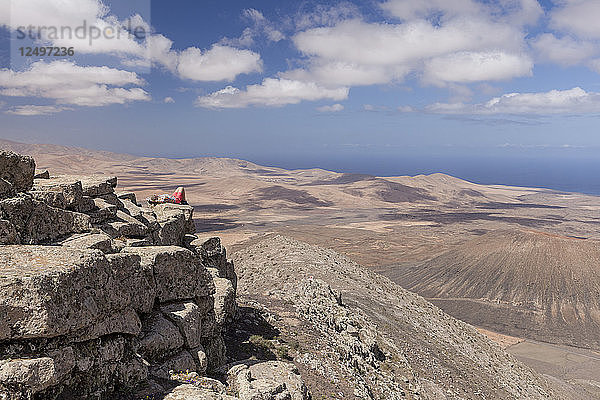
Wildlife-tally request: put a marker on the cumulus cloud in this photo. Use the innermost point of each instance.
(468, 67)
(579, 17)
(68, 83)
(31, 110)
(146, 50)
(470, 36)
(272, 92)
(259, 27)
(564, 51)
(331, 109)
(220, 63)
(168, 100)
(572, 101)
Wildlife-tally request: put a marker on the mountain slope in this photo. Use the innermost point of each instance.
(369, 337)
(522, 283)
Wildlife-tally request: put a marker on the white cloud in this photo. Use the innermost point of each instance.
(519, 12)
(323, 15)
(168, 100)
(468, 67)
(564, 51)
(68, 83)
(409, 9)
(331, 109)
(31, 110)
(260, 27)
(406, 109)
(572, 101)
(341, 73)
(579, 17)
(220, 63)
(272, 92)
(355, 52)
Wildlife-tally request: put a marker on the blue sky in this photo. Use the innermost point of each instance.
(387, 86)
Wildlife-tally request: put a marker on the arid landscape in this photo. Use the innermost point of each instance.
(520, 264)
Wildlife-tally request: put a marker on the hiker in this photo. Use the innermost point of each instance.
(178, 197)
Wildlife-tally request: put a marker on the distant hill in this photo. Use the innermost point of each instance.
(518, 282)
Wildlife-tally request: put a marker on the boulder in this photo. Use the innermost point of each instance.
(70, 187)
(97, 241)
(180, 362)
(6, 189)
(187, 318)
(132, 209)
(214, 255)
(17, 169)
(127, 196)
(102, 211)
(36, 222)
(51, 198)
(159, 338)
(50, 291)
(41, 174)
(179, 274)
(193, 392)
(8, 233)
(224, 301)
(34, 375)
(175, 222)
(97, 185)
(268, 380)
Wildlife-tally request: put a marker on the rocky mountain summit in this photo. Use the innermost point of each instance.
(101, 298)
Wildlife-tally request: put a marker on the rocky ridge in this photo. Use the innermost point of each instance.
(102, 298)
(363, 337)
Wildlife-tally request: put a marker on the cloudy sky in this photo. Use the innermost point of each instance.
(310, 82)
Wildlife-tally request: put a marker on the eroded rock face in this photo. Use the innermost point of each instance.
(268, 380)
(16, 170)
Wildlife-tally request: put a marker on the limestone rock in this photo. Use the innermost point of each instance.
(6, 189)
(179, 273)
(41, 174)
(224, 301)
(48, 291)
(214, 255)
(97, 241)
(269, 380)
(192, 392)
(8, 233)
(127, 196)
(34, 375)
(102, 211)
(199, 356)
(70, 187)
(51, 198)
(125, 226)
(132, 209)
(160, 337)
(37, 222)
(181, 362)
(175, 222)
(186, 317)
(17, 169)
(97, 185)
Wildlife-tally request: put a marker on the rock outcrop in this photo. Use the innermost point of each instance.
(103, 298)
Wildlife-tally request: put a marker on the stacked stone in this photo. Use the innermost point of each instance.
(98, 293)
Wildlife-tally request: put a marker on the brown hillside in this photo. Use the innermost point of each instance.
(518, 282)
